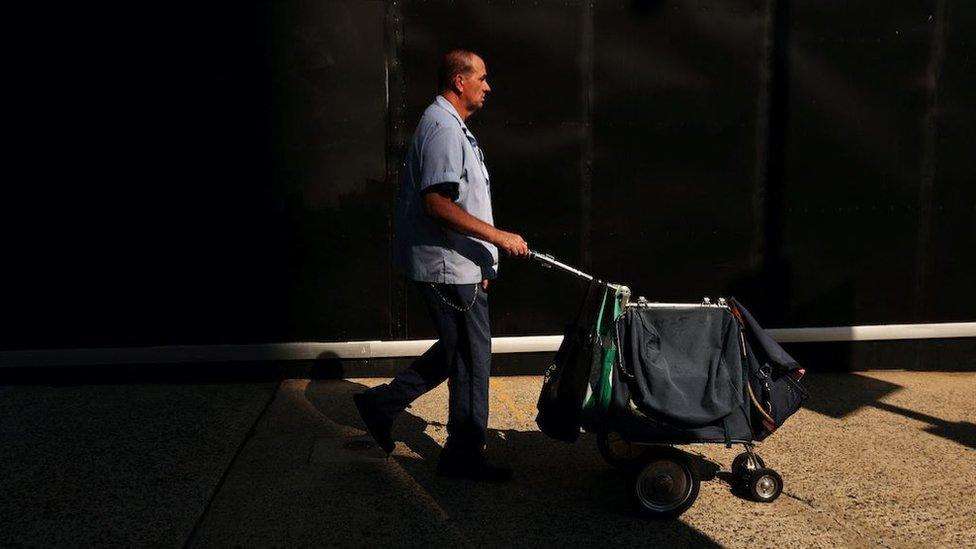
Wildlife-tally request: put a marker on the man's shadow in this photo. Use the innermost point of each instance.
(561, 493)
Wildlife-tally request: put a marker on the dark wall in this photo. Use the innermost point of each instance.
(226, 173)
(877, 214)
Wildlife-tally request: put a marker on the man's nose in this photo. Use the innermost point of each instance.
(487, 87)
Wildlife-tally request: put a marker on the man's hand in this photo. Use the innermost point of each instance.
(511, 243)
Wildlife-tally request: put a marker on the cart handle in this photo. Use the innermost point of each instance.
(549, 261)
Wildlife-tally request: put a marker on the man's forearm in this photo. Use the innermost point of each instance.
(452, 216)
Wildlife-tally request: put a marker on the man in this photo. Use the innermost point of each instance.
(446, 242)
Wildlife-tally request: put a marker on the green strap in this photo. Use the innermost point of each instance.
(599, 317)
(609, 356)
(599, 400)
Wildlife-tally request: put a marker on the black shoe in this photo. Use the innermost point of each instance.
(477, 469)
(378, 425)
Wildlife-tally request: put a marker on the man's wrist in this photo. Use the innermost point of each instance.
(493, 235)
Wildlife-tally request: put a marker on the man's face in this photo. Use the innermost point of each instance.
(475, 85)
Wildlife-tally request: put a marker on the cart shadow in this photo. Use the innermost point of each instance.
(561, 494)
(735, 486)
(712, 470)
(840, 395)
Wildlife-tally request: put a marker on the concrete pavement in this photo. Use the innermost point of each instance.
(875, 459)
(117, 465)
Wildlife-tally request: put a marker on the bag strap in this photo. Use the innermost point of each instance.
(599, 316)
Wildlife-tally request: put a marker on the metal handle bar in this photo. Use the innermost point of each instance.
(548, 261)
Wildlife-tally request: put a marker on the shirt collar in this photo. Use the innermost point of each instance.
(447, 106)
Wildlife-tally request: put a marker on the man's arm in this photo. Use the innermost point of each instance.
(442, 208)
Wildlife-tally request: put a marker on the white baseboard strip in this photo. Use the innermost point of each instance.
(413, 348)
(943, 330)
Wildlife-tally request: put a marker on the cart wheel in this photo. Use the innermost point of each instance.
(667, 486)
(742, 465)
(619, 452)
(765, 485)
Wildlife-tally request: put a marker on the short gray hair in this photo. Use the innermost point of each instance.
(455, 62)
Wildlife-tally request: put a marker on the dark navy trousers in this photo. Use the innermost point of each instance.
(462, 356)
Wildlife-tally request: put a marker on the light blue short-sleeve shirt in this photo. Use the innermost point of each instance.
(443, 150)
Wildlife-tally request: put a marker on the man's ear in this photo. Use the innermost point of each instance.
(459, 83)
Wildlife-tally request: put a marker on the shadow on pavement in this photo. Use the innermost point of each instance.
(561, 494)
(962, 432)
(839, 395)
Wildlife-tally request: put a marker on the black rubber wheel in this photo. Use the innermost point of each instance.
(741, 466)
(765, 485)
(666, 486)
(620, 453)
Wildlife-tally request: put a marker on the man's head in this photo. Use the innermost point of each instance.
(463, 80)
